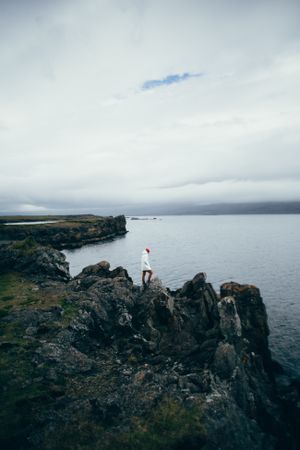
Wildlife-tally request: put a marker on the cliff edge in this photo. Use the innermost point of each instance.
(96, 362)
(62, 231)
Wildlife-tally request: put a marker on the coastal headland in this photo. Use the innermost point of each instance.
(69, 231)
(97, 362)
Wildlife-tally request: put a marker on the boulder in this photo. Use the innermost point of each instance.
(253, 318)
(35, 260)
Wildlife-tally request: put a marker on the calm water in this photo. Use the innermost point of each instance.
(260, 250)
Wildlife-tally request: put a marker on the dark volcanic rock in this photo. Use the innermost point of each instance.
(28, 257)
(253, 317)
(120, 366)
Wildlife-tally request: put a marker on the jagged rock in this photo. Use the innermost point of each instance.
(191, 288)
(67, 360)
(112, 353)
(230, 323)
(225, 360)
(253, 317)
(35, 260)
(91, 274)
(96, 270)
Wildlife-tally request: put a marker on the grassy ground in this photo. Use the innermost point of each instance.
(170, 426)
(17, 292)
(69, 218)
(27, 393)
(22, 384)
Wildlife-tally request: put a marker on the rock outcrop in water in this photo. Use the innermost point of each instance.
(67, 231)
(100, 363)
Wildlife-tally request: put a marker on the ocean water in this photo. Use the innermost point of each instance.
(263, 250)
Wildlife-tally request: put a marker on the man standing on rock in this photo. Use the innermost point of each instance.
(146, 268)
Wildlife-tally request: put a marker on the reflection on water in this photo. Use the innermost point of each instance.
(260, 250)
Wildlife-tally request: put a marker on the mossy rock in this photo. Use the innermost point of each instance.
(170, 426)
(26, 246)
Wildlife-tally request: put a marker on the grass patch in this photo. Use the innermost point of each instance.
(19, 395)
(7, 297)
(132, 359)
(73, 218)
(70, 309)
(13, 289)
(24, 389)
(3, 312)
(28, 301)
(16, 291)
(26, 246)
(170, 426)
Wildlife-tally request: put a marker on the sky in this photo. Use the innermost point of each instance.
(112, 105)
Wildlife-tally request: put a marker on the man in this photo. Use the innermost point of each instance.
(146, 268)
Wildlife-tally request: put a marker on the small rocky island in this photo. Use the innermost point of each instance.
(96, 362)
(62, 231)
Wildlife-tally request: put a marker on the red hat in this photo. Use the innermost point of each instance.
(147, 249)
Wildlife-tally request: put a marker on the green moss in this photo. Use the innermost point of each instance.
(24, 386)
(171, 426)
(4, 284)
(16, 291)
(20, 394)
(10, 284)
(25, 247)
(132, 359)
(7, 297)
(3, 313)
(70, 310)
(74, 218)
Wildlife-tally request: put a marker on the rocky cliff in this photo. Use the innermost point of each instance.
(96, 362)
(66, 231)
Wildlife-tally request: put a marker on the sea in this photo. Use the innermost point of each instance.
(263, 250)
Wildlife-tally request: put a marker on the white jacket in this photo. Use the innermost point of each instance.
(145, 265)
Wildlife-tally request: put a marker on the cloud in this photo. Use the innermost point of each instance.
(3, 127)
(31, 208)
(105, 104)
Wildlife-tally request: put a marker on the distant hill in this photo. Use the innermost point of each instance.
(247, 208)
(182, 208)
(221, 208)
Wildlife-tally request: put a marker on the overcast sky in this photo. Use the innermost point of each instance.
(110, 103)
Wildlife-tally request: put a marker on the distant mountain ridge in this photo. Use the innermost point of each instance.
(178, 208)
(222, 208)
